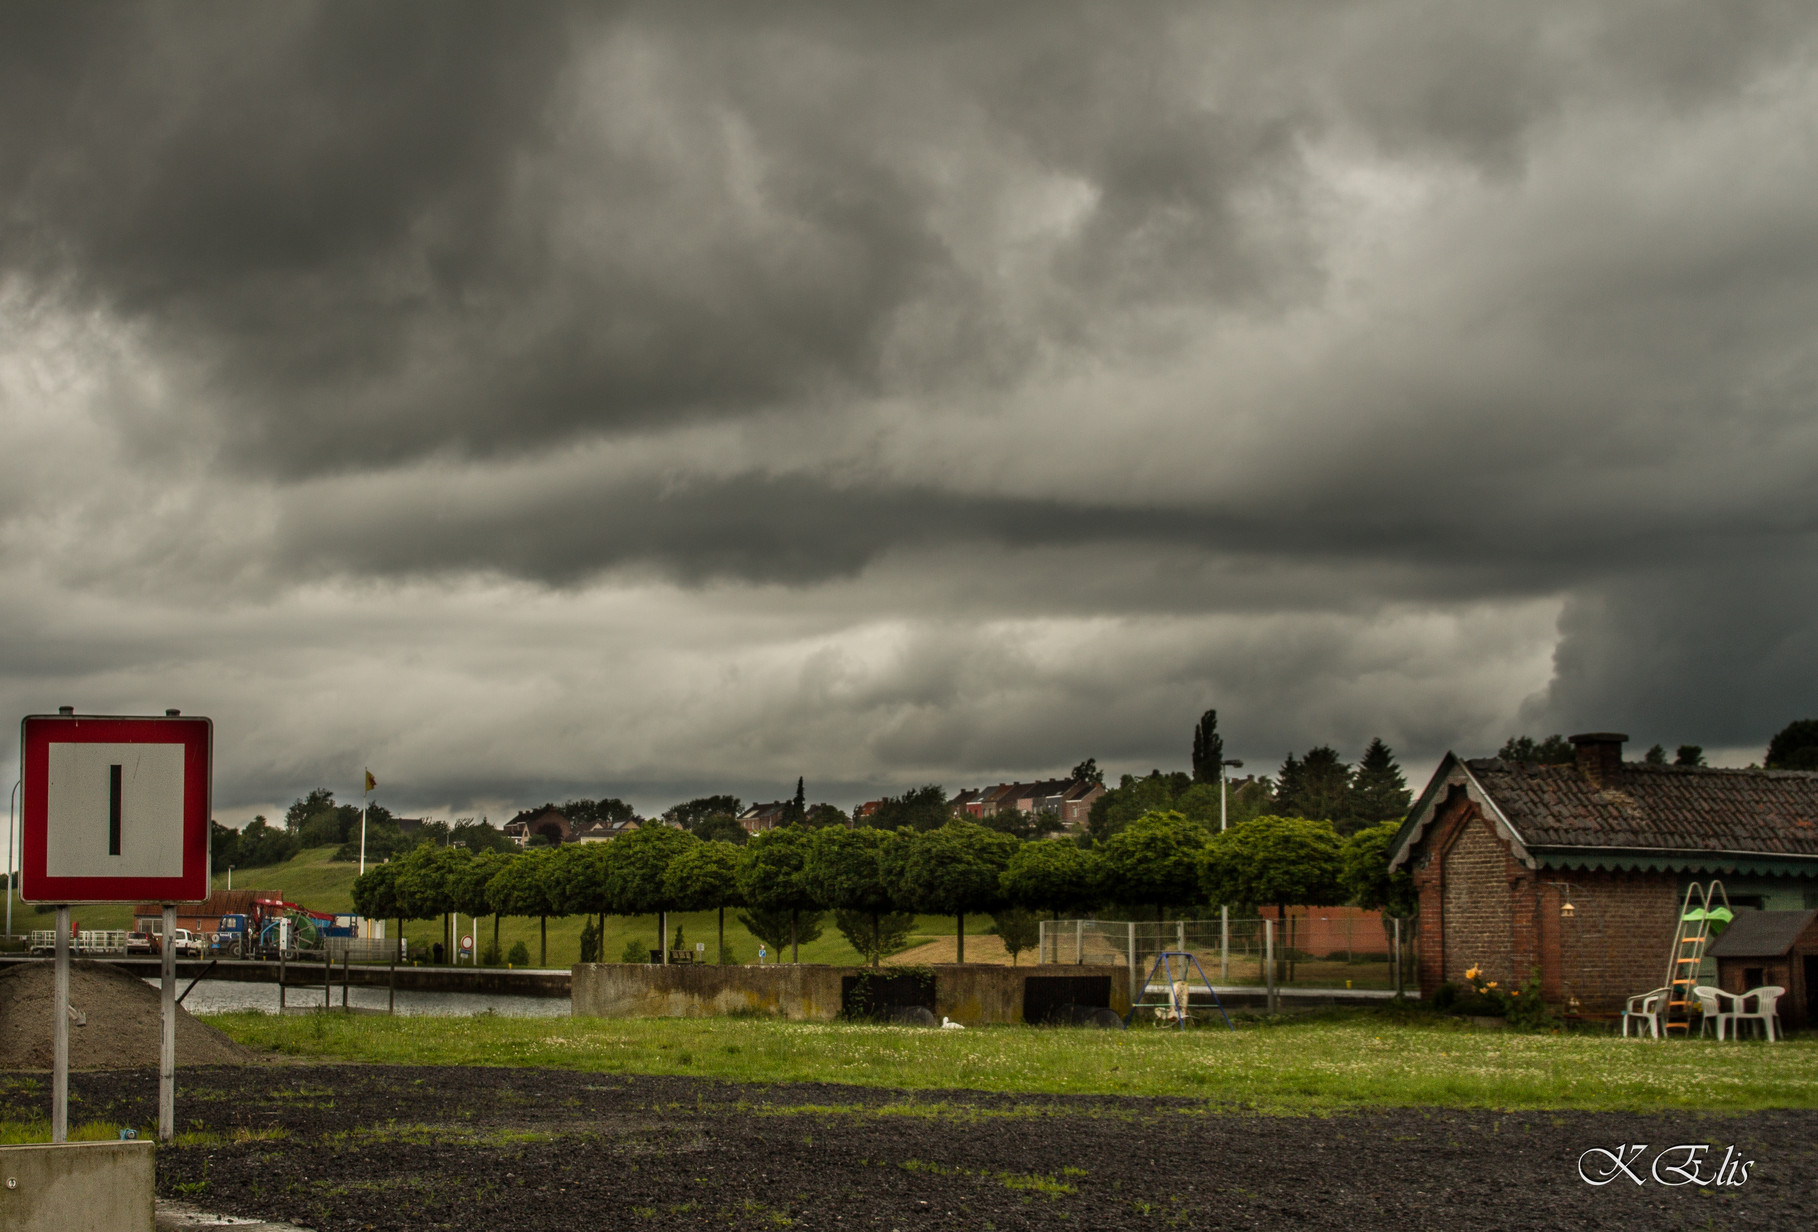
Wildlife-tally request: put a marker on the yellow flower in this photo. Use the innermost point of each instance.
(1471, 974)
(1491, 984)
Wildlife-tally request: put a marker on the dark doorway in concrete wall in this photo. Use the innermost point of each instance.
(880, 995)
(1043, 995)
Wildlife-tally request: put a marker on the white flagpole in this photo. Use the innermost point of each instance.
(364, 793)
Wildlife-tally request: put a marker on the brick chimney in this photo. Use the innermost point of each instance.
(1600, 756)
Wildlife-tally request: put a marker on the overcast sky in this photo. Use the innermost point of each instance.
(528, 401)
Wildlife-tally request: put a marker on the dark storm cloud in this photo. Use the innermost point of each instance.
(1722, 656)
(765, 530)
(383, 232)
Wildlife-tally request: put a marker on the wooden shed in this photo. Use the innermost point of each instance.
(1773, 947)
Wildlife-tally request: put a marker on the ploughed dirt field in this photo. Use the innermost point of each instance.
(338, 1147)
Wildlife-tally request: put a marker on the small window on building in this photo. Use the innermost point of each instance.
(1754, 977)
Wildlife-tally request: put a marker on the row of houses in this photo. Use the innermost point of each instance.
(552, 824)
(1068, 799)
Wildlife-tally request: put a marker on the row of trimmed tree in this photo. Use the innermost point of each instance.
(872, 879)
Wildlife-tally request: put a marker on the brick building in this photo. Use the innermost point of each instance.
(203, 917)
(761, 817)
(1578, 870)
(549, 821)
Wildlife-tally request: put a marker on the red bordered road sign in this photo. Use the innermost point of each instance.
(115, 808)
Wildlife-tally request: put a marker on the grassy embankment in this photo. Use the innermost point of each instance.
(313, 879)
(1331, 1061)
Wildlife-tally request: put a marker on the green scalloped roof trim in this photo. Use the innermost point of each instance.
(1616, 860)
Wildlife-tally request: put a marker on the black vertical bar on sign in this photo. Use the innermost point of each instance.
(113, 810)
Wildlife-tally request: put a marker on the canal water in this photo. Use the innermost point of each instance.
(222, 996)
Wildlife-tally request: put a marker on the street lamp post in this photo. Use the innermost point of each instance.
(1224, 909)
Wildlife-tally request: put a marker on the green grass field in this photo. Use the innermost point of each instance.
(1325, 1062)
(320, 883)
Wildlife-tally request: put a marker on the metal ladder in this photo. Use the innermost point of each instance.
(1178, 989)
(1691, 933)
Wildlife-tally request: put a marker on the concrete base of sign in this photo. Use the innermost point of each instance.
(77, 1187)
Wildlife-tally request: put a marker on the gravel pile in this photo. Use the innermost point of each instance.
(122, 1029)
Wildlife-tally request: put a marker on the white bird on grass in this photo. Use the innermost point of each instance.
(947, 1024)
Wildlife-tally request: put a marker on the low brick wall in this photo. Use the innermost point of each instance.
(973, 994)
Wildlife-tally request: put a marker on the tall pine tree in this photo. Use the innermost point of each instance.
(1287, 786)
(798, 806)
(1325, 782)
(1378, 792)
(1208, 748)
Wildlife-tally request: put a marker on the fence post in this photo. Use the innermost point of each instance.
(1135, 992)
(391, 977)
(1224, 944)
(1269, 962)
(1079, 942)
(1180, 935)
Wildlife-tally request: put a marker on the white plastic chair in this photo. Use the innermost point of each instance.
(1765, 999)
(1646, 1007)
(1718, 1007)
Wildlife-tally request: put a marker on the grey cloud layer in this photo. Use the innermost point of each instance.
(940, 316)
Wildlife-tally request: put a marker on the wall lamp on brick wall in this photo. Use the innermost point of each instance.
(1566, 909)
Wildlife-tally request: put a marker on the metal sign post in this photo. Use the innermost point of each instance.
(60, 1034)
(115, 809)
(167, 1052)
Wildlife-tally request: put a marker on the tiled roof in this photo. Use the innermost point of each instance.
(1674, 808)
(1761, 934)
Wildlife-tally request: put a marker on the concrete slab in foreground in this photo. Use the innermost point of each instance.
(77, 1187)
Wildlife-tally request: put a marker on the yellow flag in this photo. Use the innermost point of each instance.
(371, 782)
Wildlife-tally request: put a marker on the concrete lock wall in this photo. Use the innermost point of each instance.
(974, 994)
(77, 1187)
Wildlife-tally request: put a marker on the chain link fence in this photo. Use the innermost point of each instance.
(1310, 951)
(362, 949)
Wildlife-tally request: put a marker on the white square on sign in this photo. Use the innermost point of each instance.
(114, 810)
